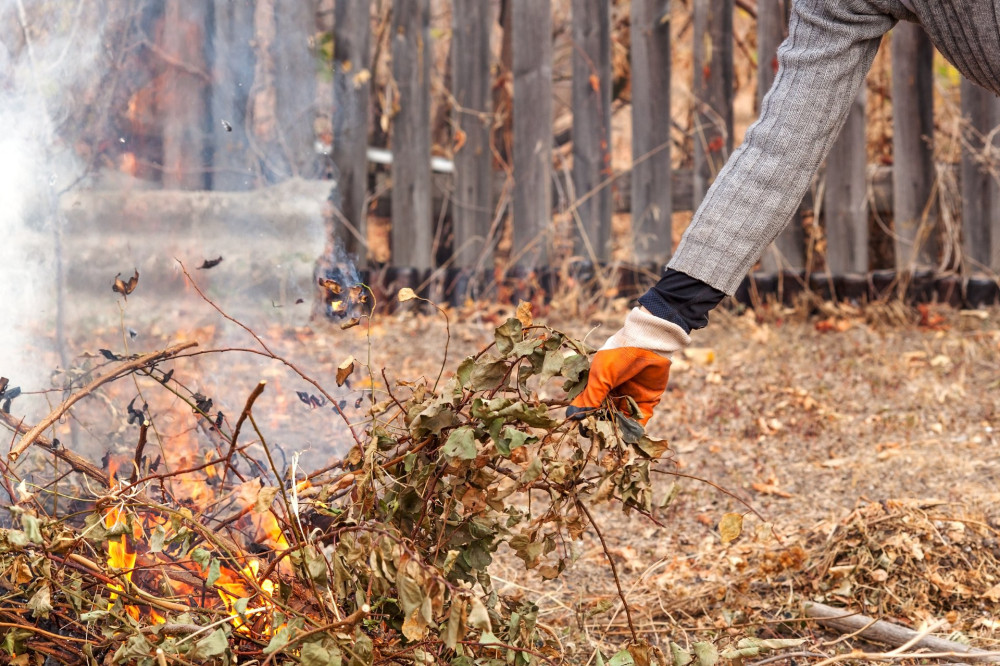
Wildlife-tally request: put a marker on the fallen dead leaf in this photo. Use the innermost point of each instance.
(730, 527)
(344, 370)
(770, 489)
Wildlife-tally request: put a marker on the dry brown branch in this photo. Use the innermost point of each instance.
(77, 463)
(117, 372)
(888, 633)
(614, 569)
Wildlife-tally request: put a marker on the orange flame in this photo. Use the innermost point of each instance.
(120, 557)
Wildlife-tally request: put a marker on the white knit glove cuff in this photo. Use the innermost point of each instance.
(647, 331)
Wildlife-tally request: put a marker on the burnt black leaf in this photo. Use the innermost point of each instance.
(202, 404)
(219, 418)
(3, 385)
(166, 376)
(110, 355)
(304, 397)
(210, 263)
(136, 415)
(227, 126)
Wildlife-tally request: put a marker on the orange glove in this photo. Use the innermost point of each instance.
(634, 362)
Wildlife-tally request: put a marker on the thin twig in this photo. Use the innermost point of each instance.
(271, 354)
(614, 569)
(111, 375)
(252, 398)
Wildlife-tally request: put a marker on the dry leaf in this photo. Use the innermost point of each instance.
(770, 489)
(460, 139)
(344, 370)
(362, 77)
(700, 355)
(524, 314)
(350, 323)
(406, 294)
(730, 527)
(125, 288)
(331, 286)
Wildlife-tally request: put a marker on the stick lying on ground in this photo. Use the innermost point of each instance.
(111, 375)
(887, 633)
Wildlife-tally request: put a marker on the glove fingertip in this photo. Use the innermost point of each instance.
(578, 413)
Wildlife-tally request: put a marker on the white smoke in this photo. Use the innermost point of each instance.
(48, 51)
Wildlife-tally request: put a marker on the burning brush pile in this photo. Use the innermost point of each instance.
(382, 557)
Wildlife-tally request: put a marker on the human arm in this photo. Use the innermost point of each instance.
(822, 65)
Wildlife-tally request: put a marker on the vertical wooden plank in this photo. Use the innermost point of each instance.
(591, 96)
(788, 250)
(531, 28)
(295, 86)
(845, 200)
(351, 93)
(232, 73)
(915, 217)
(473, 163)
(713, 91)
(185, 93)
(651, 192)
(284, 94)
(412, 228)
(980, 188)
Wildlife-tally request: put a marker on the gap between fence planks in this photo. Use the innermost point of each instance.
(114, 373)
(887, 633)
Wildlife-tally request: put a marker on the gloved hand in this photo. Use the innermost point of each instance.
(634, 362)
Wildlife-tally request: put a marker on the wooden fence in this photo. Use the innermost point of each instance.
(913, 187)
(480, 198)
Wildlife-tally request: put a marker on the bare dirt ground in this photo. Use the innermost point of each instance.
(869, 443)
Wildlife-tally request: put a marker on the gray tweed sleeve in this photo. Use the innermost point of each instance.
(822, 65)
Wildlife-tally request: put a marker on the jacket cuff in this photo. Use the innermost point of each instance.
(647, 331)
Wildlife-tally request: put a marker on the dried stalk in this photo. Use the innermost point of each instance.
(116, 373)
(614, 569)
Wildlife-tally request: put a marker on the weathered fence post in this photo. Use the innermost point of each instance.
(232, 74)
(184, 95)
(351, 91)
(915, 216)
(532, 64)
(295, 86)
(713, 91)
(412, 228)
(592, 124)
(845, 200)
(980, 180)
(651, 203)
(788, 250)
(473, 162)
(284, 99)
